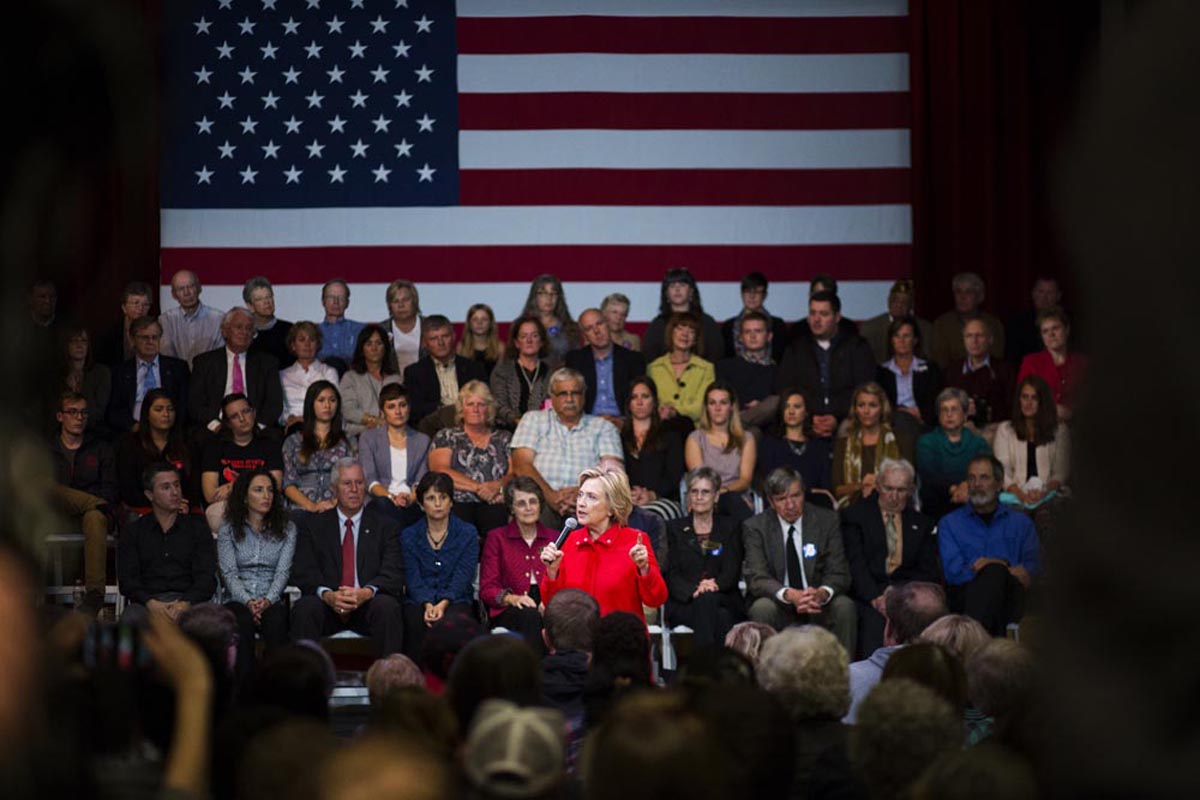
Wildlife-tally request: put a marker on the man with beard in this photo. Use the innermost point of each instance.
(990, 552)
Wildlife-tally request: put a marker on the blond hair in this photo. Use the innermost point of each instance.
(616, 491)
(475, 388)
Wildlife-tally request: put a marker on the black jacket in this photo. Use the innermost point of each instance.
(424, 390)
(926, 385)
(263, 388)
(851, 364)
(865, 542)
(318, 560)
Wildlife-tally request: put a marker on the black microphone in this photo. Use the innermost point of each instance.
(569, 524)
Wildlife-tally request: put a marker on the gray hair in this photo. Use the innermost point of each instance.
(566, 374)
(254, 284)
(969, 280)
(808, 670)
(233, 312)
(335, 471)
(615, 297)
(702, 472)
(897, 465)
(781, 479)
(952, 393)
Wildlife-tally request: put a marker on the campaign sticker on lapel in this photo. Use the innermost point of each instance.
(810, 550)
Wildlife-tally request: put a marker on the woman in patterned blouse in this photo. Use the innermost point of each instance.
(309, 453)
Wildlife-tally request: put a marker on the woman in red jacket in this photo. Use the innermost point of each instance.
(612, 563)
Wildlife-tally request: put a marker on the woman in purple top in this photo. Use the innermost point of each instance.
(511, 569)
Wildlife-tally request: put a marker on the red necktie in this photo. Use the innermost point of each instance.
(238, 385)
(348, 555)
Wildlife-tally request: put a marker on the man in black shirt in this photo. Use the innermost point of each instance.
(166, 561)
(752, 370)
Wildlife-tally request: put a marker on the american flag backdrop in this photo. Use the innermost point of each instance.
(470, 146)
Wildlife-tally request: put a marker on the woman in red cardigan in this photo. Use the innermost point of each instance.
(612, 563)
(1057, 365)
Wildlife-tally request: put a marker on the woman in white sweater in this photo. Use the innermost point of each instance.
(1033, 447)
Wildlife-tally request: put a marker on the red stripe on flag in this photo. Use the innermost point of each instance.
(682, 187)
(678, 111)
(603, 263)
(594, 34)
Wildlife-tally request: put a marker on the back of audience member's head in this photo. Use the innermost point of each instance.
(985, 772)
(412, 712)
(910, 608)
(930, 665)
(443, 642)
(620, 664)
(714, 664)
(385, 766)
(1000, 678)
(284, 761)
(390, 673)
(748, 638)
(214, 628)
(295, 679)
(503, 667)
(570, 621)
(964, 635)
(808, 670)
(652, 746)
(757, 734)
(902, 728)
(514, 752)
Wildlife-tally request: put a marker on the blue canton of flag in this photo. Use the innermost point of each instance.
(310, 103)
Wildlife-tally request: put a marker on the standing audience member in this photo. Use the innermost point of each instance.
(372, 367)
(548, 303)
(900, 303)
(404, 324)
(310, 453)
(653, 452)
(986, 379)
(520, 382)
(395, 457)
(1060, 367)
(990, 553)
(752, 370)
(236, 449)
(615, 310)
(303, 342)
(510, 570)
(754, 298)
(85, 376)
(868, 440)
(339, 335)
(943, 455)
(271, 334)
(680, 295)
(790, 442)
(477, 458)
(233, 370)
(348, 568)
(606, 367)
(911, 382)
(481, 340)
(166, 560)
(147, 370)
(191, 328)
(115, 345)
(680, 374)
(721, 444)
(433, 380)
(969, 292)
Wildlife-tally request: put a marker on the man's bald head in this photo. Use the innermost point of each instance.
(911, 608)
(185, 288)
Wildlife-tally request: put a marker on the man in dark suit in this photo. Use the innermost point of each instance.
(795, 567)
(348, 568)
(147, 370)
(231, 369)
(606, 368)
(887, 543)
(434, 380)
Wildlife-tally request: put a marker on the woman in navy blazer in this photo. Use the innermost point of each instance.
(389, 449)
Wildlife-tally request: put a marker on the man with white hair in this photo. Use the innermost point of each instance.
(969, 292)
(235, 369)
(191, 328)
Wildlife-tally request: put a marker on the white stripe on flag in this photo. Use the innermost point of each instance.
(683, 8)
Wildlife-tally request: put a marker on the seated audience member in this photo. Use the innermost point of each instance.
(964, 637)
(615, 310)
(372, 367)
(481, 339)
(1034, 447)
(1000, 681)
(493, 668)
(829, 361)
(603, 557)
(1022, 334)
(339, 335)
(521, 380)
(554, 445)
(391, 674)
(309, 453)
(394, 457)
(1061, 368)
(948, 341)
(621, 665)
(191, 328)
(404, 323)
(511, 570)
(754, 298)
(270, 333)
(303, 342)
(157, 438)
(236, 449)
(348, 568)
(822, 282)
(115, 345)
(147, 370)
(790, 442)
(900, 303)
(752, 370)
(911, 383)
(166, 560)
(868, 440)
(375, 765)
(434, 380)
(213, 629)
(477, 458)
(85, 376)
(440, 554)
(607, 368)
(569, 632)
(943, 455)
(255, 548)
(903, 727)
(909, 608)
(41, 300)
(85, 476)
(990, 553)
(806, 669)
(681, 375)
(987, 380)
(680, 295)
(548, 303)
(705, 565)
(233, 370)
(514, 752)
(975, 773)
(721, 444)
(888, 543)
(795, 567)
(653, 452)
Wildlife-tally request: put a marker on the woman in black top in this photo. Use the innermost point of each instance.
(790, 442)
(653, 454)
(157, 438)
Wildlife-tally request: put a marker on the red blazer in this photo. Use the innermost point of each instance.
(1064, 381)
(602, 568)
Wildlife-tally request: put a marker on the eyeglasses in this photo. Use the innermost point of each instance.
(75, 412)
